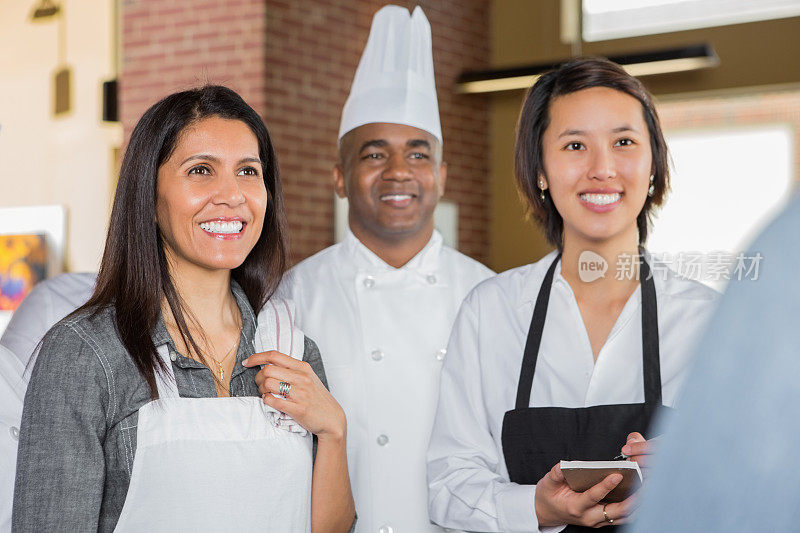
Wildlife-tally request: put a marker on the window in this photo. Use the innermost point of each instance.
(727, 184)
(612, 19)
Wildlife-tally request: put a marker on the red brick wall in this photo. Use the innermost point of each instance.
(293, 61)
(170, 45)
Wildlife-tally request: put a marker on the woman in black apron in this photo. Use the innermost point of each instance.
(563, 359)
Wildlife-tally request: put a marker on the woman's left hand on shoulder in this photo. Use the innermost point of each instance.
(309, 403)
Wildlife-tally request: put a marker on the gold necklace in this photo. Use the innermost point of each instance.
(227, 354)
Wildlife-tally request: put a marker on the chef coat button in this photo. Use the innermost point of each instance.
(377, 355)
(385, 529)
(369, 282)
(431, 278)
(383, 440)
(440, 354)
(173, 356)
(14, 432)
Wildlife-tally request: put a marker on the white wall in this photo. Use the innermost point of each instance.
(65, 160)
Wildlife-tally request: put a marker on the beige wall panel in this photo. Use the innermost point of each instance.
(64, 160)
(515, 239)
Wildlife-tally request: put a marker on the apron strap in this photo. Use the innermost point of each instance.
(166, 385)
(651, 360)
(284, 336)
(276, 329)
(534, 339)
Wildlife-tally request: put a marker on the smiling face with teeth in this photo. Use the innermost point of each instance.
(211, 197)
(393, 177)
(597, 161)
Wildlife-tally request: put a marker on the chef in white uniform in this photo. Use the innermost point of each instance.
(381, 303)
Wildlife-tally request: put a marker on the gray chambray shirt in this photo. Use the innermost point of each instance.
(78, 434)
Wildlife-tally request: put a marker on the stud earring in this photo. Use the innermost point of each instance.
(652, 189)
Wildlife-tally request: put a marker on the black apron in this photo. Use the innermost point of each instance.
(536, 438)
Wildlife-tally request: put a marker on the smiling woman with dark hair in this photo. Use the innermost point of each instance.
(144, 410)
(549, 362)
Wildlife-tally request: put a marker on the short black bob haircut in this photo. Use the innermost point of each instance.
(573, 76)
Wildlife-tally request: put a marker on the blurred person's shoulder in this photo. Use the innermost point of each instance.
(48, 302)
(70, 286)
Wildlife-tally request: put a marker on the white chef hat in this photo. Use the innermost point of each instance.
(394, 80)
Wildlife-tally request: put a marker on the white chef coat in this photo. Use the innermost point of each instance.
(382, 333)
(48, 302)
(469, 486)
(12, 393)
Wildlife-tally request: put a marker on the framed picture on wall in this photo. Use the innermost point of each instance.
(31, 249)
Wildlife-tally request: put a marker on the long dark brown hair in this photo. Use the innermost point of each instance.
(576, 75)
(133, 276)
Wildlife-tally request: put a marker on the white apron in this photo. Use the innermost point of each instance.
(219, 464)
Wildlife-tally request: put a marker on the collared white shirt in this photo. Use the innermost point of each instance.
(469, 486)
(382, 333)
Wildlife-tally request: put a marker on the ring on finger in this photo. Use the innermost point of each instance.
(605, 515)
(284, 388)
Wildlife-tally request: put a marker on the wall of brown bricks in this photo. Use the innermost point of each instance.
(293, 61)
